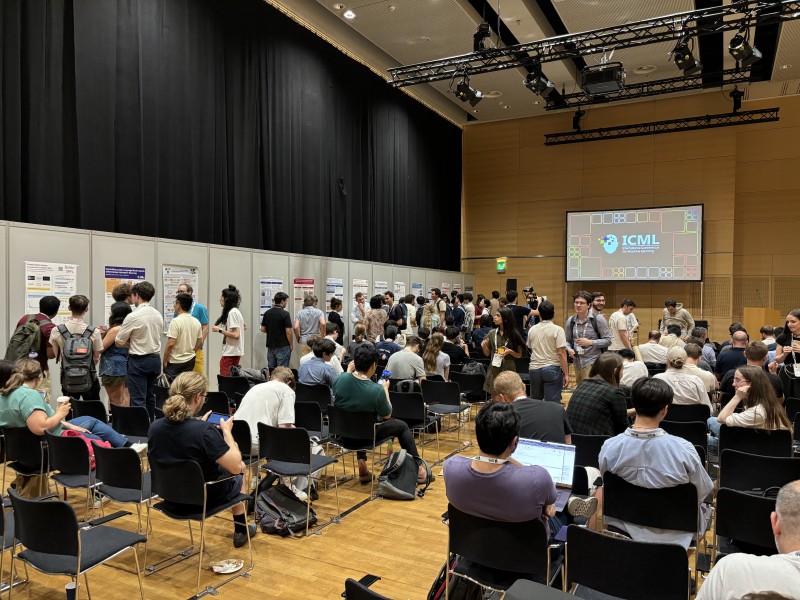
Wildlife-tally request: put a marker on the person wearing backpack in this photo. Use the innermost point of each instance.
(439, 304)
(23, 342)
(78, 350)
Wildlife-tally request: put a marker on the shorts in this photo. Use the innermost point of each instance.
(113, 380)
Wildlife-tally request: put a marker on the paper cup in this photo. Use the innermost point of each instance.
(70, 587)
(62, 399)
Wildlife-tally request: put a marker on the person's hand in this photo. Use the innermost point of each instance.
(164, 365)
(566, 380)
(205, 416)
(742, 391)
(385, 384)
(351, 367)
(787, 349)
(773, 367)
(548, 511)
(571, 352)
(63, 410)
(584, 342)
(80, 429)
(226, 425)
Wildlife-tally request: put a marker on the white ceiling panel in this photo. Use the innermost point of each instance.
(586, 15)
(787, 58)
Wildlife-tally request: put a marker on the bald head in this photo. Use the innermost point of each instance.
(739, 339)
(786, 518)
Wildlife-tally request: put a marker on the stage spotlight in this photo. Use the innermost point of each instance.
(685, 60)
(479, 38)
(576, 119)
(736, 95)
(467, 94)
(741, 50)
(539, 84)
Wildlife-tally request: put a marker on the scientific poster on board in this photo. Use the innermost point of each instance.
(171, 277)
(114, 276)
(381, 287)
(302, 287)
(50, 279)
(445, 289)
(457, 288)
(360, 286)
(416, 289)
(334, 288)
(267, 288)
(399, 289)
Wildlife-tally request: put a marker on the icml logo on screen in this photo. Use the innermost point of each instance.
(610, 243)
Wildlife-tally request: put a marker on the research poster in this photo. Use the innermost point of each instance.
(399, 290)
(416, 289)
(267, 288)
(50, 279)
(334, 288)
(302, 287)
(445, 289)
(362, 286)
(381, 287)
(114, 276)
(171, 277)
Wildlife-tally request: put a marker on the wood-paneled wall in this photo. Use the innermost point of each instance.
(516, 192)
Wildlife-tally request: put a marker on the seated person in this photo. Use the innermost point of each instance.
(736, 575)
(454, 347)
(754, 353)
(387, 346)
(485, 326)
(647, 456)
(333, 333)
(180, 437)
(435, 361)
(598, 406)
(632, 370)
(407, 364)
(334, 362)
(23, 405)
(271, 402)
(356, 392)
(359, 340)
(652, 351)
(686, 387)
(673, 337)
(539, 419)
(318, 370)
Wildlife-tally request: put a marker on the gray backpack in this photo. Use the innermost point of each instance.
(398, 480)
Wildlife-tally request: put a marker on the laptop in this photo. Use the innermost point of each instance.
(558, 459)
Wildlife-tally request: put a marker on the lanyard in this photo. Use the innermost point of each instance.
(487, 459)
(575, 327)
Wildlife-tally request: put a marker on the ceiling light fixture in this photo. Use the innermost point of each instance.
(338, 6)
(576, 119)
(479, 38)
(741, 50)
(684, 59)
(736, 95)
(349, 14)
(539, 84)
(465, 93)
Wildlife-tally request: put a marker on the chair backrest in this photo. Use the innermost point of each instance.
(756, 441)
(284, 444)
(130, 420)
(181, 483)
(471, 384)
(217, 402)
(522, 364)
(655, 368)
(624, 568)
(695, 432)
(349, 424)
(587, 449)
(409, 408)
(162, 394)
(667, 508)
(90, 408)
(355, 590)
(441, 392)
(308, 415)
(23, 446)
(517, 547)
(746, 472)
(746, 518)
(319, 393)
(68, 455)
(688, 413)
(232, 385)
(118, 467)
(792, 406)
(242, 436)
(408, 385)
(47, 527)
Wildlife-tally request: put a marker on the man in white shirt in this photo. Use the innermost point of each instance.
(141, 332)
(737, 575)
(334, 362)
(652, 351)
(548, 370)
(693, 355)
(632, 370)
(271, 403)
(618, 324)
(768, 336)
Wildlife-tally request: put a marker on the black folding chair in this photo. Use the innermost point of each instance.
(404, 385)
(8, 538)
(754, 473)
(756, 441)
(623, 568)
(122, 477)
(444, 398)
(792, 406)
(131, 421)
(471, 385)
(355, 590)
(743, 518)
(685, 413)
(288, 452)
(162, 393)
(89, 408)
(587, 449)
(321, 394)
(233, 385)
(70, 457)
(655, 368)
(695, 432)
(217, 402)
(184, 496)
(308, 415)
(352, 431)
(412, 410)
(495, 554)
(26, 454)
(240, 430)
(54, 544)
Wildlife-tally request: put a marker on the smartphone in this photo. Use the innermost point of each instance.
(214, 418)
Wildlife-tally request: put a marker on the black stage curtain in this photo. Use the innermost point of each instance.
(221, 122)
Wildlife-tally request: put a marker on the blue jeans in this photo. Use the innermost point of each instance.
(142, 373)
(714, 427)
(547, 383)
(278, 357)
(100, 431)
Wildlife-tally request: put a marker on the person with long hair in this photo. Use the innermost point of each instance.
(376, 317)
(231, 325)
(762, 409)
(23, 405)
(598, 406)
(435, 361)
(787, 355)
(430, 316)
(180, 437)
(503, 345)
(359, 339)
(114, 359)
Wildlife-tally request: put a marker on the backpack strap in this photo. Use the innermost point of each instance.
(62, 329)
(87, 333)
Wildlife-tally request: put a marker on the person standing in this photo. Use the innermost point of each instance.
(675, 314)
(334, 315)
(199, 312)
(308, 321)
(75, 325)
(277, 324)
(113, 369)
(48, 309)
(184, 338)
(587, 335)
(231, 325)
(439, 304)
(141, 334)
(619, 324)
(787, 351)
(503, 345)
(358, 314)
(548, 367)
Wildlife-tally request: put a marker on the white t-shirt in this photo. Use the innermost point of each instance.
(687, 388)
(335, 362)
(233, 347)
(271, 403)
(633, 371)
(616, 323)
(740, 574)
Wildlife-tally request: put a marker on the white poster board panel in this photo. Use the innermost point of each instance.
(189, 254)
(469, 284)
(400, 275)
(433, 279)
(361, 273)
(336, 271)
(304, 268)
(381, 279)
(4, 287)
(227, 266)
(274, 267)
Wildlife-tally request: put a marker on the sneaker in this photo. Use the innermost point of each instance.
(140, 447)
(240, 537)
(100, 500)
(301, 495)
(582, 507)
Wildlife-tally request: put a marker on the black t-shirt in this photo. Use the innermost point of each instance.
(455, 352)
(541, 420)
(520, 312)
(276, 321)
(334, 317)
(172, 442)
(785, 339)
(730, 359)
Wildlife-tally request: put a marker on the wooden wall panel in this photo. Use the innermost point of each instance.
(497, 163)
(551, 186)
(548, 159)
(492, 136)
(489, 190)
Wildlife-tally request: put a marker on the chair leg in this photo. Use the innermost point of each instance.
(200, 560)
(138, 570)
(86, 581)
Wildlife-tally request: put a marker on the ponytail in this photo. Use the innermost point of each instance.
(185, 387)
(25, 369)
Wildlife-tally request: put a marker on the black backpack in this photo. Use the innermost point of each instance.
(77, 361)
(280, 512)
(398, 480)
(26, 338)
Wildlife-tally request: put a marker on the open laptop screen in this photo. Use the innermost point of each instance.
(558, 459)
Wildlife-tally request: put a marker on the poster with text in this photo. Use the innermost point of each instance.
(381, 287)
(115, 276)
(445, 289)
(50, 279)
(334, 288)
(171, 277)
(360, 286)
(268, 287)
(399, 290)
(416, 289)
(457, 288)
(302, 287)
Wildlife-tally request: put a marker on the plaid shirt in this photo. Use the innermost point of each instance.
(597, 408)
